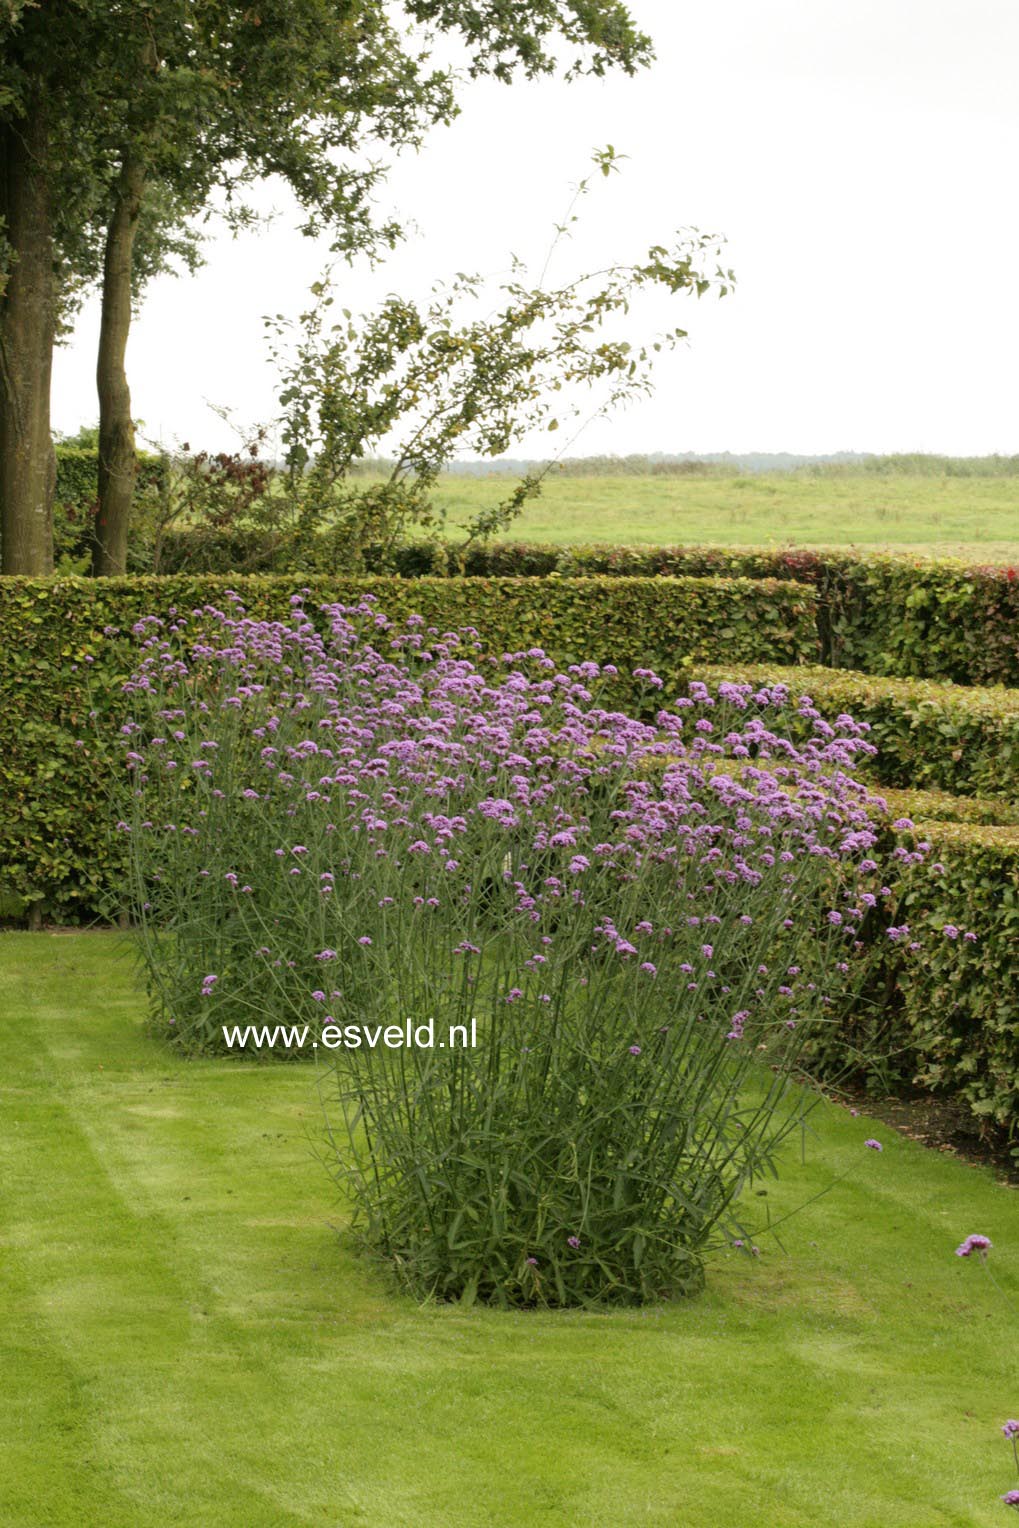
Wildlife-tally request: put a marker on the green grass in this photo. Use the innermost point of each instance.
(185, 1340)
(950, 516)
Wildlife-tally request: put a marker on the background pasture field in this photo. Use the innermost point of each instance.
(939, 516)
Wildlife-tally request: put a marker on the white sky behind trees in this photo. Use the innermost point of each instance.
(860, 156)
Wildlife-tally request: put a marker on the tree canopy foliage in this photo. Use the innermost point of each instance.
(120, 120)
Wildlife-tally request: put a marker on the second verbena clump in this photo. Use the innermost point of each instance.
(336, 822)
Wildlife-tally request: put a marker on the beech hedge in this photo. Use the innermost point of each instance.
(65, 651)
(885, 614)
(77, 481)
(942, 807)
(945, 1018)
(955, 738)
(76, 495)
(960, 1004)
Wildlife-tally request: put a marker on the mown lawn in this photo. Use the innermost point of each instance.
(184, 1338)
(976, 517)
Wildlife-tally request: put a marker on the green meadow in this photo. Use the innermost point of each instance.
(186, 1336)
(972, 517)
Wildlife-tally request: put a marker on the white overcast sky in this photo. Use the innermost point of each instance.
(859, 155)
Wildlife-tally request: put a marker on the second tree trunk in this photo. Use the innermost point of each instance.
(117, 461)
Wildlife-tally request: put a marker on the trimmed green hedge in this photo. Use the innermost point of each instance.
(63, 653)
(950, 1013)
(883, 614)
(961, 1003)
(891, 615)
(942, 807)
(942, 736)
(78, 474)
(77, 493)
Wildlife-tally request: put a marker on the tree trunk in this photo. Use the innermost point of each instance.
(117, 460)
(27, 330)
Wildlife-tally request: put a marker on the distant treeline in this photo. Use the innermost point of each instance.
(728, 463)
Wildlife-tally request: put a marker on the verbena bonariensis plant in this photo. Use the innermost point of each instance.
(353, 827)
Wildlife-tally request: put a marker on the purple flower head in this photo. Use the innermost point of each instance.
(1011, 1499)
(649, 677)
(874, 1145)
(573, 1241)
(738, 1021)
(950, 931)
(981, 1244)
(1010, 1428)
(634, 1050)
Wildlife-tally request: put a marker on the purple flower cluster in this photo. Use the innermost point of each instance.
(979, 1244)
(365, 788)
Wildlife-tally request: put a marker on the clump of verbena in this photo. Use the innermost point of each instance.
(348, 826)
